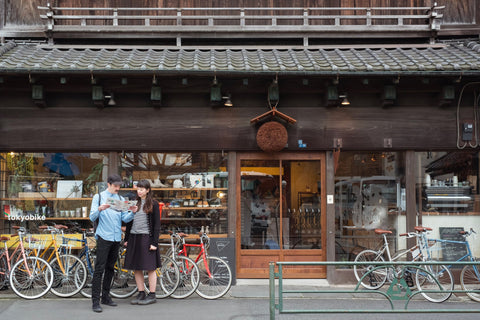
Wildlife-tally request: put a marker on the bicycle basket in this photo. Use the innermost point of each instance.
(35, 243)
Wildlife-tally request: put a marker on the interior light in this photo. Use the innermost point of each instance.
(344, 101)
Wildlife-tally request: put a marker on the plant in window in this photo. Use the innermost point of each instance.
(93, 177)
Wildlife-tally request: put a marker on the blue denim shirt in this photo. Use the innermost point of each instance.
(110, 221)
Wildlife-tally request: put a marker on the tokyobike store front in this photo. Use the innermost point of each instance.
(282, 213)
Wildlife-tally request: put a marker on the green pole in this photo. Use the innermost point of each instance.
(271, 284)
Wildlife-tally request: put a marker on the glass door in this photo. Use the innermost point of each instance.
(280, 217)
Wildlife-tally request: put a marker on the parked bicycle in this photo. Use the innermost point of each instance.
(124, 285)
(428, 278)
(69, 272)
(215, 274)
(470, 274)
(189, 274)
(30, 277)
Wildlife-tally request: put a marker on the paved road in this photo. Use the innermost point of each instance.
(242, 303)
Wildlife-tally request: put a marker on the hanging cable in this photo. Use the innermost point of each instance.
(476, 120)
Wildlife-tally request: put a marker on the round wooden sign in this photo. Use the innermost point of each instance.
(272, 136)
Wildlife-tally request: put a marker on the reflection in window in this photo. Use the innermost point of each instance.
(51, 185)
(369, 194)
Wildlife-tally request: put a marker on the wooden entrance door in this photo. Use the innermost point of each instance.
(281, 216)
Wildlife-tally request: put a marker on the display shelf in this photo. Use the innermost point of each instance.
(179, 189)
(194, 208)
(49, 199)
(195, 236)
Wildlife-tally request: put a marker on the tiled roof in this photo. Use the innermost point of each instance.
(458, 57)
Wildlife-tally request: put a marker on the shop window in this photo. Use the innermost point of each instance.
(192, 186)
(369, 194)
(42, 188)
(448, 198)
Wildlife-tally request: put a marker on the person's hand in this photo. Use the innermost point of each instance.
(152, 248)
(125, 243)
(133, 208)
(103, 207)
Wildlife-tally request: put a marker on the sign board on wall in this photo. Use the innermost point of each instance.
(224, 248)
(452, 251)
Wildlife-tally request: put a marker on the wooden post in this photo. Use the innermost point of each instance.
(115, 17)
(242, 17)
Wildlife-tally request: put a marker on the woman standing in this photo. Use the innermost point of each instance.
(141, 239)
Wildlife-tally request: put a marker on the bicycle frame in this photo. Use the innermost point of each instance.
(469, 256)
(53, 244)
(21, 247)
(202, 254)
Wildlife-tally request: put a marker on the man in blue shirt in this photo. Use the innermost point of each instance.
(108, 235)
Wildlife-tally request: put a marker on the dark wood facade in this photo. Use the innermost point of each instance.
(420, 123)
(68, 120)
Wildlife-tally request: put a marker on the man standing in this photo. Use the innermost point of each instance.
(108, 235)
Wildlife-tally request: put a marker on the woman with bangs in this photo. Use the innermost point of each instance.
(141, 239)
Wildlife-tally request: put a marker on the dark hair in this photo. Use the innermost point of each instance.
(148, 205)
(114, 179)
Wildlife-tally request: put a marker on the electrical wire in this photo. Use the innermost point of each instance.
(475, 113)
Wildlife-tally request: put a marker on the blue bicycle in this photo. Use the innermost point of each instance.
(470, 274)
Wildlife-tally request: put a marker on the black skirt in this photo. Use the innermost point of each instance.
(138, 256)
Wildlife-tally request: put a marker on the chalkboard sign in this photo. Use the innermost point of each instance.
(224, 248)
(452, 251)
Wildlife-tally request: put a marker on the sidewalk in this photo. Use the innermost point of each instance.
(249, 299)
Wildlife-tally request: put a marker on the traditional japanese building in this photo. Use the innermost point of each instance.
(289, 129)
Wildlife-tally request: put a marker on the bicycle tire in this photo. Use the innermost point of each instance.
(123, 284)
(168, 277)
(69, 282)
(470, 280)
(220, 281)
(3, 271)
(426, 279)
(87, 288)
(189, 277)
(31, 278)
(375, 276)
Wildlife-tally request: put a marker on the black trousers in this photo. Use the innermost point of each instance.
(107, 252)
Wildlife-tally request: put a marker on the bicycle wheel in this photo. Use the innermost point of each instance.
(3, 271)
(123, 283)
(189, 277)
(31, 278)
(215, 278)
(470, 280)
(168, 278)
(434, 277)
(375, 276)
(71, 280)
(87, 288)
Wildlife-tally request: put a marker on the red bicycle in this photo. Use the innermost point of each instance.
(215, 274)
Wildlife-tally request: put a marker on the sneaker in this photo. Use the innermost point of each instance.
(140, 297)
(149, 299)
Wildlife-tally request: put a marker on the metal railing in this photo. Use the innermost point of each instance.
(391, 294)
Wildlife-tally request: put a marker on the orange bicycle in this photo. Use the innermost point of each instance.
(215, 274)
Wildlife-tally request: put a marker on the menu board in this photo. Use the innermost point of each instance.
(224, 248)
(452, 251)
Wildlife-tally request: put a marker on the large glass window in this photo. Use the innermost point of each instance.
(43, 187)
(281, 204)
(448, 197)
(369, 194)
(193, 187)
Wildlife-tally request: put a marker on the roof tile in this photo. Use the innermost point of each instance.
(455, 56)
